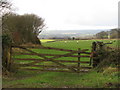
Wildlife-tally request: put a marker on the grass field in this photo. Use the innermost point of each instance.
(31, 79)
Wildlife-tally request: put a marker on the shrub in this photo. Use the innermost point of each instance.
(110, 59)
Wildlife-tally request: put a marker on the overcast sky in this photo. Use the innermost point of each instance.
(72, 14)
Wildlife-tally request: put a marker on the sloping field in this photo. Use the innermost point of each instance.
(75, 44)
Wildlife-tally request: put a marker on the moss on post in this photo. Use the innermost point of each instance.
(98, 50)
(6, 52)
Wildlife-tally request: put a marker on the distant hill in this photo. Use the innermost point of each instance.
(68, 33)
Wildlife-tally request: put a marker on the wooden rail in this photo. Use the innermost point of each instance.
(49, 60)
(52, 55)
(54, 66)
(45, 70)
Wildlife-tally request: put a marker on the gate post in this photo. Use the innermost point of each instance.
(79, 59)
(7, 57)
(93, 54)
(97, 51)
(6, 52)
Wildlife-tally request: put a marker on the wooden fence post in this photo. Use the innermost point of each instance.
(94, 48)
(78, 59)
(10, 59)
(6, 57)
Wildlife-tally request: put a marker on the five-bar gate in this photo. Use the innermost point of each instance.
(59, 65)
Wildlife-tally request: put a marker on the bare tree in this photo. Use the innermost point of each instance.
(5, 7)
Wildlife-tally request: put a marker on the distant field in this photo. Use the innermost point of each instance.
(74, 44)
(46, 40)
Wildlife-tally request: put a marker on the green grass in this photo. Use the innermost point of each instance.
(31, 79)
(25, 79)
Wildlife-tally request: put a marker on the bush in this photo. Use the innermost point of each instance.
(6, 40)
(110, 59)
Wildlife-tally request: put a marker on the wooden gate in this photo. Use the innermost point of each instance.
(60, 65)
